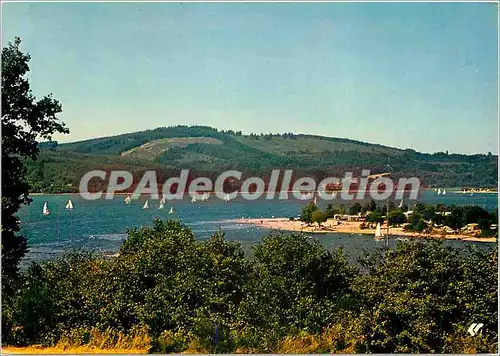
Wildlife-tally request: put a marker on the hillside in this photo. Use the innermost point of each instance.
(208, 150)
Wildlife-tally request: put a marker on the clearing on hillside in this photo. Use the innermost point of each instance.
(153, 149)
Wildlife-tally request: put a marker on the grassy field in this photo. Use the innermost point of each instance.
(70, 350)
(154, 148)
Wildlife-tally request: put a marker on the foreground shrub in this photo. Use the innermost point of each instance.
(167, 292)
(420, 293)
(296, 285)
(136, 339)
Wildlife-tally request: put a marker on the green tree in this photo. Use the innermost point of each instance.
(24, 120)
(341, 209)
(318, 217)
(375, 217)
(329, 211)
(418, 296)
(455, 219)
(297, 285)
(369, 206)
(226, 272)
(307, 211)
(396, 217)
(355, 209)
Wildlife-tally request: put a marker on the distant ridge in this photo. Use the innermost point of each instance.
(209, 150)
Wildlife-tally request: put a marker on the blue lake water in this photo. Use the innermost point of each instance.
(102, 224)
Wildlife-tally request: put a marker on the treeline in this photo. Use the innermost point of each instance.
(422, 217)
(433, 169)
(60, 171)
(292, 296)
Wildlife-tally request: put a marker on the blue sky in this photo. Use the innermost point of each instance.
(414, 75)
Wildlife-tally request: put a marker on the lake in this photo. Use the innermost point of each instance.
(102, 224)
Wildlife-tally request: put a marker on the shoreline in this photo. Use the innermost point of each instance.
(353, 227)
(451, 190)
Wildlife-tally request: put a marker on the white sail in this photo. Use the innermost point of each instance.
(69, 205)
(227, 198)
(206, 196)
(439, 191)
(401, 203)
(378, 231)
(46, 210)
(161, 205)
(193, 199)
(444, 191)
(171, 211)
(146, 205)
(128, 199)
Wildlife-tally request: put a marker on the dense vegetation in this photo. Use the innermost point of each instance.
(62, 165)
(24, 120)
(423, 217)
(293, 296)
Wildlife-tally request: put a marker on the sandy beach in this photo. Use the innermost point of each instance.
(352, 227)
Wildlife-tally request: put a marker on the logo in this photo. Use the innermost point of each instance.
(230, 184)
(474, 328)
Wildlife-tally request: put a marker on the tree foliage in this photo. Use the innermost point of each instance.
(208, 296)
(24, 121)
(318, 217)
(307, 213)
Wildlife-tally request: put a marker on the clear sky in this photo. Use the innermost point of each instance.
(421, 76)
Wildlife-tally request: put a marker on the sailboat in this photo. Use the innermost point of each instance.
(171, 211)
(439, 191)
(226, 197)
(146, 205)
(128, 199)
(378, 232)
(205, 197)
(444, 191)
(162, 203)
(46, 210)
(193, 199)
(69, 206)
(435, 189)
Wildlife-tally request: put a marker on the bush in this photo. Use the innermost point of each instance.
(318, 217)
(396, 217)
(135, 339)
(168, 292)
(170, 342)
(307, 212)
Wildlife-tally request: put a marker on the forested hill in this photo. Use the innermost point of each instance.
(206, 149)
